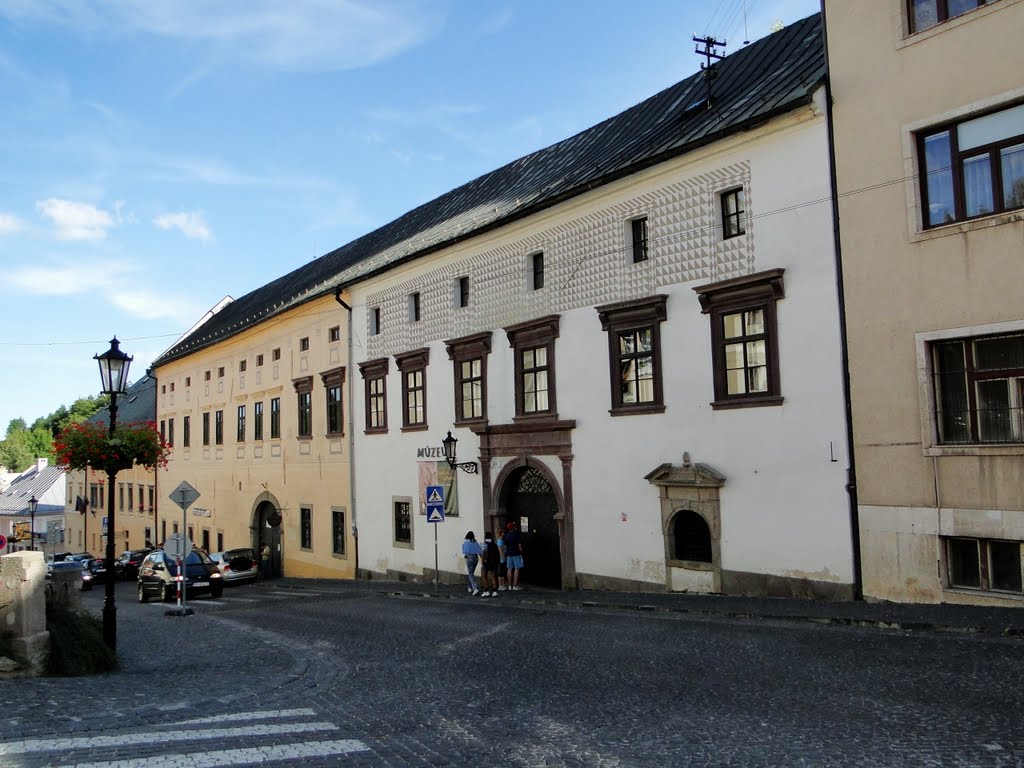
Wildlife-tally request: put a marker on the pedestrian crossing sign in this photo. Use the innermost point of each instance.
(435, 513)
(435, 494)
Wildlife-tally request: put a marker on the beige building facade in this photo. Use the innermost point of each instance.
(257, 419)
(928, 110)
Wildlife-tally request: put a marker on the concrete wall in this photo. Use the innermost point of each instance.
(905, 285)
(23, 609)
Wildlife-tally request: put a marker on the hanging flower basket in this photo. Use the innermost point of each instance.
(90, 445)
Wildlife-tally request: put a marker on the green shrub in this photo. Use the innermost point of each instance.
(76, 644)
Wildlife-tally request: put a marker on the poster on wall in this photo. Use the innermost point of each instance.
(439, 473)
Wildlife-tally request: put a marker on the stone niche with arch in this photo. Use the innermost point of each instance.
(691, 525)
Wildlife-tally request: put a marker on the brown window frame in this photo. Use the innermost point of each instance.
(941, 14)
(984, 565)
(532, 335)
(303, 407)
(469, 349)
(639, 237)
(186, 431)
(334, 382)
(304, 344)
(970, 377)
(630, 317)
(759, 291)
(275, 354)
(957, 157)
(733, 222)
(275, 418)
(334, 334)
(218, 427)
(240, 424)
(242, 364)
(413, 369)
(206, 428)
(375, 372)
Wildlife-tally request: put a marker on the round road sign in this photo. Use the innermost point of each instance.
(3, 541)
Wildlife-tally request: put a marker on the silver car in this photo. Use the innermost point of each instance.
(237, 565)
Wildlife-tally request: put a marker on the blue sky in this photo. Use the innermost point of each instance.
(157, 155)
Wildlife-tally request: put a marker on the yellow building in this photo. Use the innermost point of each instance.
(138, 508)
(252, 401)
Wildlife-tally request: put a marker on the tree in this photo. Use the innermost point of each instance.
(23, 445)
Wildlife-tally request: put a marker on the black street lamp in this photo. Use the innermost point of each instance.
(33, 504)
(449, 442)
(114, 366)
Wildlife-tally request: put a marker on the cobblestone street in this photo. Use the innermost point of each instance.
(357, 676)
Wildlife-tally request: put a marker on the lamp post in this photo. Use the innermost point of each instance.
(114, 366)
(33, 504)
(470, 467)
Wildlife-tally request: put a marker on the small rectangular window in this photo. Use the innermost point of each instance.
(275, 354)
(462, 292)
(241, 366)
(334, 334)
(374, 321)
(638, 232)
(338, 535)
(163, 430)
(170, 432)
(206, 376)
(403, 522)
(220, 372)
(186, 431)
(241, 424)
(733, 213)
(304, 344)
(414, 307)
(989, 565)
(257, 420)
(275, 418)
(536, 271)
(163, 389)
(172, 386)
(259, 361)
(218, 427)
(206, 428)
(188, 381)
(306, 527)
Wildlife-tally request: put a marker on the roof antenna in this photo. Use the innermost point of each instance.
(746, 37)
(709, 52)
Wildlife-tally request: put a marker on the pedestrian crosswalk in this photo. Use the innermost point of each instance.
(228, 739)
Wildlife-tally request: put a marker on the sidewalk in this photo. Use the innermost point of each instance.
(884, 615)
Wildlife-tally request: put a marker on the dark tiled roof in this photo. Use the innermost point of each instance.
(770, 77)
(138, 404)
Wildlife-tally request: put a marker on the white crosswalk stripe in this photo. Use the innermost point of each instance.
(285, 738)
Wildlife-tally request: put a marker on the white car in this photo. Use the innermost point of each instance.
(237, 565)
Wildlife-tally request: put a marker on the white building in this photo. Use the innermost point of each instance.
(635, 333)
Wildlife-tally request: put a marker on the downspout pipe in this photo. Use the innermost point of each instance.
(351, 432)
(851, 472)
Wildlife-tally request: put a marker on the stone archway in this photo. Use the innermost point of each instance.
(266, 529)
(529, 495)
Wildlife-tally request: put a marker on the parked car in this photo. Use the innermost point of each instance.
(128, 563)
(94, 571)
(70, 565)
(237, 565)
(158, 576)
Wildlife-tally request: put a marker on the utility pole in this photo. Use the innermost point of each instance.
(710, 45)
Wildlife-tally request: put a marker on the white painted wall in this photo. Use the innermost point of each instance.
(784, 506)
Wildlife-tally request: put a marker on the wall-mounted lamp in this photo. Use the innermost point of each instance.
(449, 455)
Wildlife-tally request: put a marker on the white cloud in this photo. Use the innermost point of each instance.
(189, 224)
(76, 221)
(105, 282)
(9, 224)
(301, 35)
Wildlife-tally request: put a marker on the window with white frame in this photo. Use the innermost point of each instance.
(734, 211)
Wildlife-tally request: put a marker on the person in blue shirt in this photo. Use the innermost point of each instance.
(471, 552)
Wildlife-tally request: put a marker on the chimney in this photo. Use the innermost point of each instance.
(41, 464)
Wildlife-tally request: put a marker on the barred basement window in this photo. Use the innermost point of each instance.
(338, 531)
(403, 522)
(691, 538)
